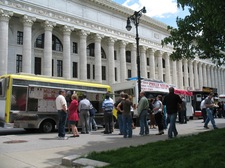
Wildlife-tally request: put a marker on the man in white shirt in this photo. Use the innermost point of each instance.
(61, 107)
(84, 107)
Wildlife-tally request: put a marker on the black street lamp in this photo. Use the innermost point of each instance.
(135, 19)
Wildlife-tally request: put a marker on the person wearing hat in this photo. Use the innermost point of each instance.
(209, 104)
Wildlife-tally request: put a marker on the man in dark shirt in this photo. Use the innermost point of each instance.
(171, 101)
(209, 104)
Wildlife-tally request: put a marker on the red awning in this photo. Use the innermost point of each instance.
(183, 92)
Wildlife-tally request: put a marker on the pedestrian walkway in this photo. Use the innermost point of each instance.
(46, 151)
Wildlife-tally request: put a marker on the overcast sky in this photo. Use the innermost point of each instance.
(165, 11)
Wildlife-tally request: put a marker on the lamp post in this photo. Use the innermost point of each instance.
(135, 19)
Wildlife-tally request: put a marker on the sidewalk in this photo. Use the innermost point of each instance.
(45, 151)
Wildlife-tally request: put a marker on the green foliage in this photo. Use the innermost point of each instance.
(201, 33)
(203, 150)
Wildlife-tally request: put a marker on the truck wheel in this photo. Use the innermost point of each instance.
(47, 126)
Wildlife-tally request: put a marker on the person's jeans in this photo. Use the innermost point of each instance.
(62, 123)
(210, 118)
(92, 123)
(144, 129)
(204, 115)
(120, 122)
(127, 126)
(172, 128)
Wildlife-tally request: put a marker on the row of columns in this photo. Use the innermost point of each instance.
(185, 73)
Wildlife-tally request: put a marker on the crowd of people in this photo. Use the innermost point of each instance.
(161, 111)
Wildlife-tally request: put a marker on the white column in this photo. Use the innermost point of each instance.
(196, 79)
(186, 84)
(223, 78)
(191, 74)
(213, 77)
(111, 63)
(47, 62)
(167, 68)
(4, 28)
(98, 58)
(219, 81)
(143, 63)
(180, 75)
(123, 66)
(83, 54)
(204, 75)
(208, 77)
(175, 75)
(160, 66)
(152, 63)
(200, 75)
(133, 60)
(216, 77)
(27, 43)
(66, 52)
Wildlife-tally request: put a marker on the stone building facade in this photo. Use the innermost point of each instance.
(87, 40)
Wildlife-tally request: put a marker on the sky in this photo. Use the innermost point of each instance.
(165, 11)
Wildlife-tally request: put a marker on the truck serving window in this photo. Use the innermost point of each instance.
(2, 91)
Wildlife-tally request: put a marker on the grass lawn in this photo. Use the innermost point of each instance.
(205, 150)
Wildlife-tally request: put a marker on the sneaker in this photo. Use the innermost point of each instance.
(63, 138)
(206, 127)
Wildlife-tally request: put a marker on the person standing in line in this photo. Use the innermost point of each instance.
(61, 106)
(151, 115)
(172, 101)
(203, 109)
(143, 106)
(107, 107)
(119, 113)
(73, 117)
(126, 116)
(92, 122)
(209, 104)
(183, 111)
(158, 113)
(84, 107)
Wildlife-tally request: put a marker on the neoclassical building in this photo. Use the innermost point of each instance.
(87, 40)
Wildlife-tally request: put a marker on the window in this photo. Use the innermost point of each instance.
(129, 73)
(19, 37)
(128, 56)
(18, 63)
(93, 71)
(103, 73)
(75, 70)
(148, 74)
(115, 56)
(37, 66)
(40, 41)
(164, 63)
(91, 50)
(147, 61)
(52, 67)
(56, 43)
(88, 71)
(59, 68)
(75, 50)
(115, 74)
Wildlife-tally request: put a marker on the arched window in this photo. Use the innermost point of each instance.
(56, 43)
(91, 51)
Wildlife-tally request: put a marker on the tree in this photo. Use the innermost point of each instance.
(202, 33)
